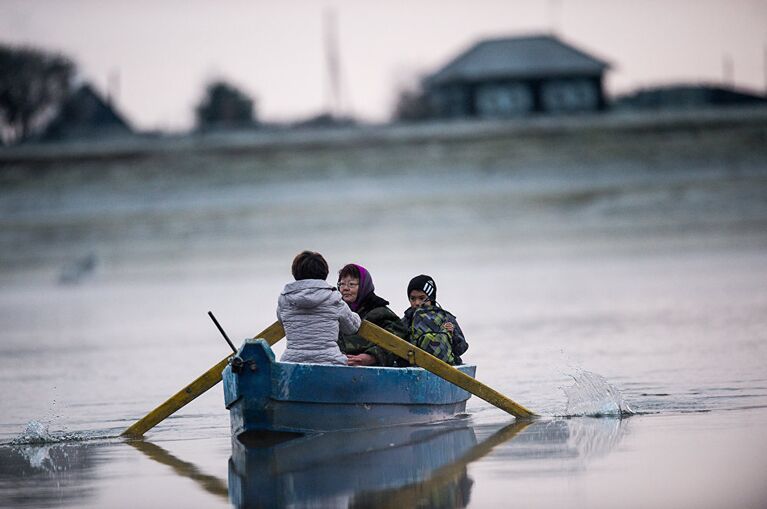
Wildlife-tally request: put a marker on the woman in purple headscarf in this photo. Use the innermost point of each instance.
(358, 291)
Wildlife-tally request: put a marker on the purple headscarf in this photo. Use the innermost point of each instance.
(366, 287)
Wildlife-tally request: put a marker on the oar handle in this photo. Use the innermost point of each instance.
(221, 330)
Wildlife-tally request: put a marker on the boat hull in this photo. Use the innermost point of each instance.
(262, 394)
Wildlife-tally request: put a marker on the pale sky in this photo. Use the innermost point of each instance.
(164, 51)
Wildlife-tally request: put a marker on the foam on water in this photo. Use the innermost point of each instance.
(39, 433)
(593, 396)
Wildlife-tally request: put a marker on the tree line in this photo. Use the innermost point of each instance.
(35, 84)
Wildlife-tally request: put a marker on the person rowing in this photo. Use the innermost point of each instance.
(313, 314)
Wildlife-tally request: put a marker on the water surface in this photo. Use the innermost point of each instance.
(654, 283)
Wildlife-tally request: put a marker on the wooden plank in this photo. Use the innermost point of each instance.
(207, 380)
(418, 357)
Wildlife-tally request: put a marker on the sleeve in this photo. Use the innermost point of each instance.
(460, 345)
(388, 320)
(396, 327)
(279, 308)
(349, 322)
(354, 344)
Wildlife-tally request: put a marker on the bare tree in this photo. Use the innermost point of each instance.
(224, 106)
(412, 104)
(33, 83)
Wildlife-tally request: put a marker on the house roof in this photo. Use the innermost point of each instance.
(85, 114)
(519, 57)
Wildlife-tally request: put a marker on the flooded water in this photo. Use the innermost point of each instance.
(584, 292)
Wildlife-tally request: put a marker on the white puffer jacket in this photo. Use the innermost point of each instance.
(311, 311)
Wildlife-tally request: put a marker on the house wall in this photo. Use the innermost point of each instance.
(503, 99)
(518, 98)
(451, 101)
(570, 95)
(687, 97)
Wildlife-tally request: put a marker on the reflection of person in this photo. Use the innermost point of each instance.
(312, 313)
(358, 291)
(430, 327)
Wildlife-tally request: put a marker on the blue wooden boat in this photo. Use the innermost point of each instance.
(264, 395)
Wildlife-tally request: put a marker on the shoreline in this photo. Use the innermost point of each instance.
(577, 183)
(263, 141)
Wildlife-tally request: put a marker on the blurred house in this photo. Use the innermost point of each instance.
(517, 76)
(85, 115)
(676, 97)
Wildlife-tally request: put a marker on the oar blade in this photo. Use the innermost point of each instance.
(199, 386)
(415, 355)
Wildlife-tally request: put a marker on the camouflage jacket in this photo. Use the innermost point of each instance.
(425, 330)
(373, 309)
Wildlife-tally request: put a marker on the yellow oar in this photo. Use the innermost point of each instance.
(418, 357)
(271, 334)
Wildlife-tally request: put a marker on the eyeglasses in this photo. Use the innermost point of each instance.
(348, 285)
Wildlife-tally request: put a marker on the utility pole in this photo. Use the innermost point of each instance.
(728, 72)
(554, 12)
(113, 87)
(333, 64)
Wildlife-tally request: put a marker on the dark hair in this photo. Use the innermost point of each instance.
(309, 265)
(349, 270)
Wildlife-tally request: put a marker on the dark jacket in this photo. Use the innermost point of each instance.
(374, 310)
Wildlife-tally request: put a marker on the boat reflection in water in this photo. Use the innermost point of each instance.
(348, 468)
(404, 466)
(399, 466)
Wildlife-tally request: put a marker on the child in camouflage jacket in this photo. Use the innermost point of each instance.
(430, 327)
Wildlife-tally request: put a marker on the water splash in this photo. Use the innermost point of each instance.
(593, 396)
(39, 433)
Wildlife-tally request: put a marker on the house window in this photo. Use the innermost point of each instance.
(561, 96)
(503, 100)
